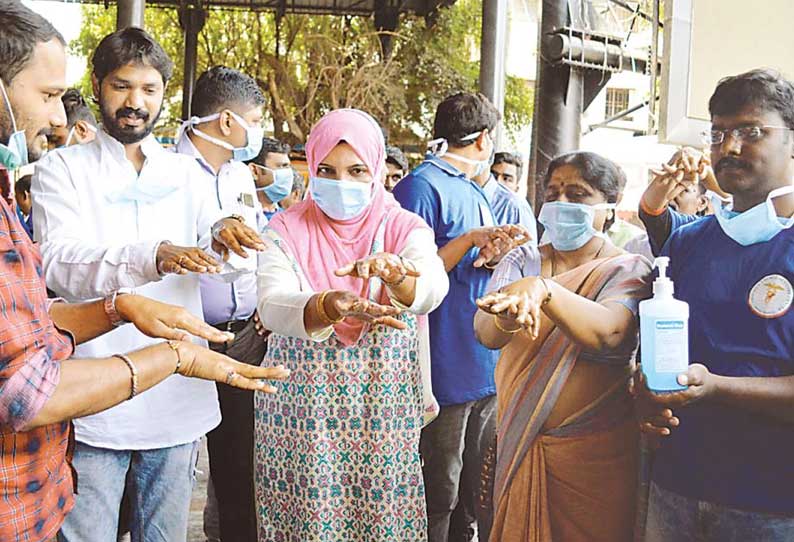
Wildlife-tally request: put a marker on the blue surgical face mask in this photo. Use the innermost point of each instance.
(570, 225)
(340, 200)
(438, 147)
(14, 154)
(145, 194)
(253, 136)
(756, 225)
(281, 186)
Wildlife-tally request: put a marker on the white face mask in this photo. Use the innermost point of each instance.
(438, 147)
(253, 135)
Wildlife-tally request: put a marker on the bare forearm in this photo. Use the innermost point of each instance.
(85, 321)
(488, 334)
(769, 396)
(92, 385)
(593, 326)
(405, 292)
(454, 251)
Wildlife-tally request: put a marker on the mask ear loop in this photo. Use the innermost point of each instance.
(8, 105)
(69, 137)
(438, 147)
(776, 193)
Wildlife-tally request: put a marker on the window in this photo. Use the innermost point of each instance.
(617, 101)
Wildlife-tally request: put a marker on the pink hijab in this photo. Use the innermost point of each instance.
(322, 245)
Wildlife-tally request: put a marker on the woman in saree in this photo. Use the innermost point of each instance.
(343, 277)
(565, 317)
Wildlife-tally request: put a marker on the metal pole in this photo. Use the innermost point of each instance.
(129, 13)
(192, 18)
(557, 118)
(653, 123)
(493, 46)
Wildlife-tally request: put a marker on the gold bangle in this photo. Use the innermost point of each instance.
(133, 374)
(503, 330)
(548, 292)
(321, 309)
(173, 345)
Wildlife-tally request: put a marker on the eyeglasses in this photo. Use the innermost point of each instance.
(745, 134)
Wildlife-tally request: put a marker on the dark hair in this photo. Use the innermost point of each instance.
(76, 108)
(23, 29)
(463, 114)
(298, 184)
(269, 145)
(763, 88)
(509, 158)
(130, 46)
(601, 173)
(396, 157)
(23, 184)
(222, 88)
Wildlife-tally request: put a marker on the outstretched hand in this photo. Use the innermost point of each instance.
(389, 268)
(343, 304)
(496, 241)
(161, 320)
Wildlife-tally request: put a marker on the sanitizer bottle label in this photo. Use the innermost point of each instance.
(670, 346)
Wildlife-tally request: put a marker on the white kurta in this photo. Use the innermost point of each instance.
(94, 239)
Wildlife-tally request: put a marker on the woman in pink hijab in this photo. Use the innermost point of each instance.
(344, 275)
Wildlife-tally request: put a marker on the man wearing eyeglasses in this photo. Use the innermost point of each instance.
(723, 470)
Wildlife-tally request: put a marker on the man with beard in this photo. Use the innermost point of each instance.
(723, 470)
(122, 212)
(40, 389)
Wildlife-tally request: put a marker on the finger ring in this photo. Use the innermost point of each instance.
(230, 376)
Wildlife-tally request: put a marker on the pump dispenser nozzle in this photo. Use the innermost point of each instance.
(662, 286)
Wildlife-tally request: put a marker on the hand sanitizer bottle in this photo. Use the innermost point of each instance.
(664, 334)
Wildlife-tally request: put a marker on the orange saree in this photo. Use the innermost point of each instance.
(568, 443)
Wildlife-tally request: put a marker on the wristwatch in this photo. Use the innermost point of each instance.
(110, 307)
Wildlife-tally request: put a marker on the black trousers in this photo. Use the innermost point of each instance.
(231, 444)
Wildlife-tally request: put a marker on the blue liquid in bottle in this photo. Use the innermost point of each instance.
(664, 334)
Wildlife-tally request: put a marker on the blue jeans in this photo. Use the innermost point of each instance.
(159, 484)
(675, 518)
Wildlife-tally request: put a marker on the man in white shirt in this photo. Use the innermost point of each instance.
(224, 102)
(122, 212)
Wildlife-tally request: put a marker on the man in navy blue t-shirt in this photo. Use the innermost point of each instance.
(442, 192)
(724, 469)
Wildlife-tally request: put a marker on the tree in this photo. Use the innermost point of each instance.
(326, 62)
